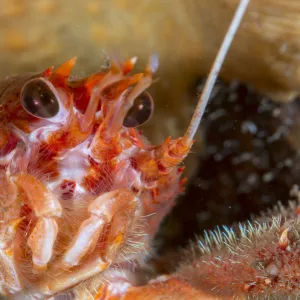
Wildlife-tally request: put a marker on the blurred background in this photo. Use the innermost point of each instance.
(185, 34)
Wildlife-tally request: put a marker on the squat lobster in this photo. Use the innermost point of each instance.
(78, 182)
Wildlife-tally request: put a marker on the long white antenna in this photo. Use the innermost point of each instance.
(214, 72)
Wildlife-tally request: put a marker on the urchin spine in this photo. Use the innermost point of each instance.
(256, 260)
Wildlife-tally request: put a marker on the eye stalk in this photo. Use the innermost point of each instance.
(140, 112)
(38, 98)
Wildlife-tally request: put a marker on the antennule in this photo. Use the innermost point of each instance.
(214, 72)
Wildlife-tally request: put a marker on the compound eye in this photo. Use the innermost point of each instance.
(38, 99)
(140, 112)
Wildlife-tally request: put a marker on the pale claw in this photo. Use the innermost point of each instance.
(84, 242)
(109, 203)
(40, 199)
(41, 242)
(102, 211)
(46, 207)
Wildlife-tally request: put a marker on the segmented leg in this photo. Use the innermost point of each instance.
(46, 208)
(115, 209)
(60, 281)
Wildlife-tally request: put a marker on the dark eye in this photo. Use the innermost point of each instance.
(140, 112)
(38, 99)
